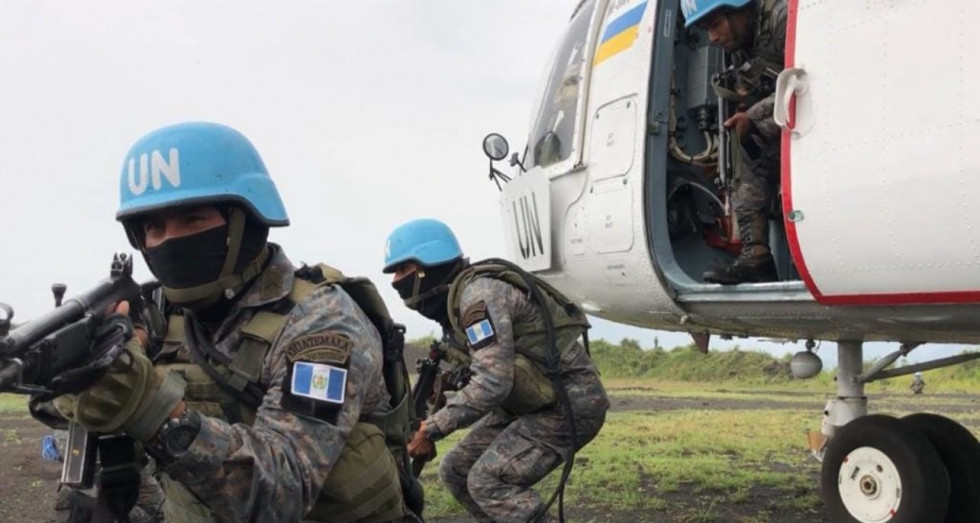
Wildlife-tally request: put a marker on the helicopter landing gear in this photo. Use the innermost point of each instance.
(878, 469)
(959, 451)
(922, 468)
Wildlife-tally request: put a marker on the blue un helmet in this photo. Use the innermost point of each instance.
(424, 241)
(197, 163)
(695, 10)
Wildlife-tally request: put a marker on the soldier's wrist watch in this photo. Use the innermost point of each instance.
(174, 436)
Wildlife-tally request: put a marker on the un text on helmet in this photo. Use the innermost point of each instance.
(688, 7)
(154, 167)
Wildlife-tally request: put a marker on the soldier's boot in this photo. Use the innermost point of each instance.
(73, 506)
(754, 264)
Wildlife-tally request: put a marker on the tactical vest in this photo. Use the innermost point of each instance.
(533, 388)
(365, 484)
(752, 76)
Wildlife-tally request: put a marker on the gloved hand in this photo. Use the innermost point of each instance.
(132, 396)
(421, 445)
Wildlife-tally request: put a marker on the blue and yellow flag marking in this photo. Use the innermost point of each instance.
(620, 34)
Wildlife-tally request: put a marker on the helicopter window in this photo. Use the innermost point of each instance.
(555, 122)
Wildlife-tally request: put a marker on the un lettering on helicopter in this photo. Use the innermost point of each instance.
(621, 200)
(526, 213)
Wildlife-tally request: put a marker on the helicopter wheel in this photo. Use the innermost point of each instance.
(959, 451)
(877, 469)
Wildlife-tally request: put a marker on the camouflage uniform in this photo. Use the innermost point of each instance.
(918, 385)
(76, 506)
(755, 186)
(756, 156)
(272, 468)
(492, 469)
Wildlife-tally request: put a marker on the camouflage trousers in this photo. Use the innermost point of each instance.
(491, 471)
(75, 506)
(756, 179)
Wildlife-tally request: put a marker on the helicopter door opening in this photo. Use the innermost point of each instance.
(691, 166)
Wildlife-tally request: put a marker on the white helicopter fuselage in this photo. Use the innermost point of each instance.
(623, 199)
(877, 237)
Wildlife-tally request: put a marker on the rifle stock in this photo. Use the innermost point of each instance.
(433, 382)
(428, 370)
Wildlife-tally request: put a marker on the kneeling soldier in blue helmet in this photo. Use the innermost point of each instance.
(265, 402)
(533, 397)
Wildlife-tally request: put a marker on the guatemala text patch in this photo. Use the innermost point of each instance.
(318, 381)
(321, 347)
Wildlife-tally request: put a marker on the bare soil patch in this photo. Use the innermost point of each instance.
(29, 484)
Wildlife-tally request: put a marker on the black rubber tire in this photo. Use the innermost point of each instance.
(925, 485)
(960, 452)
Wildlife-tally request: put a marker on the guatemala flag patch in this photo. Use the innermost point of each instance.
(320, 382)
(479, 331)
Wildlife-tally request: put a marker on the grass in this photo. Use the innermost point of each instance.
(690, 462)
(13, 403)
(702, 465)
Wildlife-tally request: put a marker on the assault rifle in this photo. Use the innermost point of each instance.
(432, 384)
(67, 350)
(55, 353)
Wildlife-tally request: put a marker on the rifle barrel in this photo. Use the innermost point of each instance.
(112, 289)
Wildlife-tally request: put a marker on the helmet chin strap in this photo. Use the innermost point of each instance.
(418, 298)
(227, 284)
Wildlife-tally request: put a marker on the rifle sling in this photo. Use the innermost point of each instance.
(203, 353)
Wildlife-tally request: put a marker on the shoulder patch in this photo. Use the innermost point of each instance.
(320, 347)
(479, 328)
(480, 334)
(474, 313)
(319, 382)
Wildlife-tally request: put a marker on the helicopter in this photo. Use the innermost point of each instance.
(621, 199)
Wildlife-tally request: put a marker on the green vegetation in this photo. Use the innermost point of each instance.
(685, 363)
(692, 462)
(703, 459)
(735, 368)
(746, 464)
(13, 403)
(751, 368)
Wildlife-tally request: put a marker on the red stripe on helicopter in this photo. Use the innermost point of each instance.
(793, 239)
(785, 178)
(905, 298)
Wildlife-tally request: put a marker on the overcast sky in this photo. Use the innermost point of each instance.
(367, 114)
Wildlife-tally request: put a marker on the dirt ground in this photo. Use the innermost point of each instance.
(29, 484)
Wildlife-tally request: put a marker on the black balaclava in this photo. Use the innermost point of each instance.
(206, 271)
(426, 290)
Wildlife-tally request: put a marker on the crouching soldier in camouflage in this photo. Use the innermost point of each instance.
(518, 399)
(266, 402)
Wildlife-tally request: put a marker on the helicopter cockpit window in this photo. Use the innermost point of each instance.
(552, 135)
